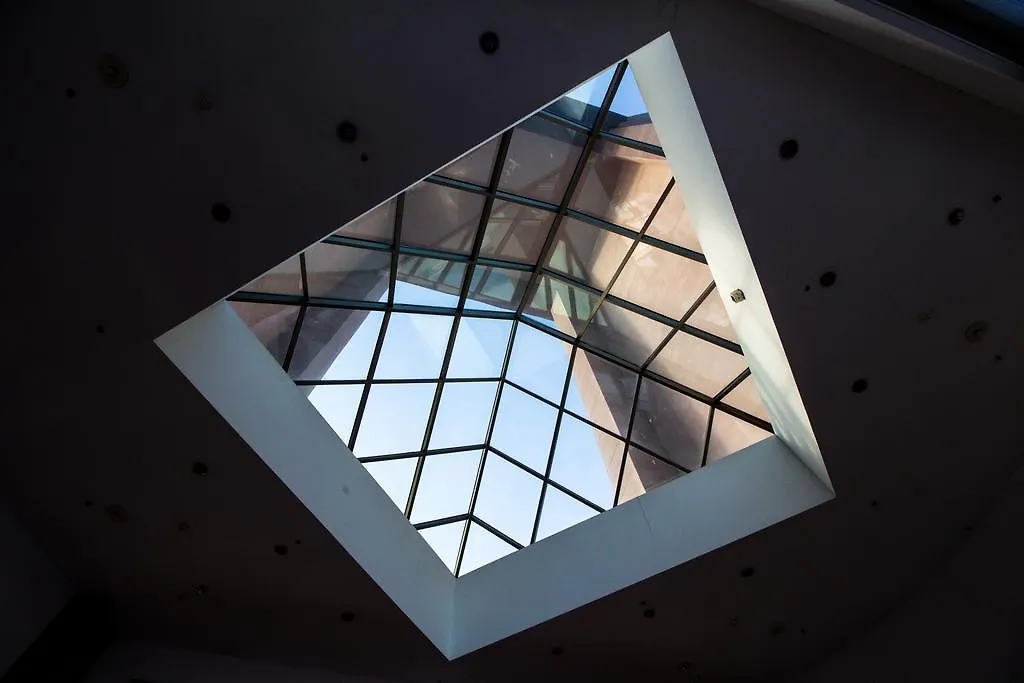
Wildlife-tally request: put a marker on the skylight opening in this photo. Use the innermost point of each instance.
(523, 340)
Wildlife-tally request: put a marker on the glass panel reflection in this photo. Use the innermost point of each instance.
(378, 224)
(671, 424)
(643, 473)
(747, 398)
(539, 362)
(625, 334)
(601, 391)
(283, 279)
(335, 344)
(561, 305)
(272, 324)
(584, 101)
(496, 289)
(620, 184)
(587, 253)
(730, 434)
(337, 272)
(440, 217)
(541, 159)
(628, 115)
(698, 364)
(424, 281)
(661, 281)
(515, 232)
(474, 167)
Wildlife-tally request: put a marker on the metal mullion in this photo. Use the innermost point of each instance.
(686, 316)
(430, 252)
(416, 454)
(356, 243)
(305, 277)
(587, 422)
(675, 249)
(395, 244)
(731, 385)
(268, 298)
(286, 365)
(494, 315)
(508, 539)
(501, 245)
(454, 519)
(707, 437)
(574, 179)
(625, 259)
(562, 121)
(499, 162)
(502, 263)
(630, 233)
(554, 484)
(327, 382)
(629, 436)
(681, 388)
(634, 144)
(532, 394)
(369, 378)
(519, 199)
(557, 334)
(661, 458)
(418, 380)
(487, 442)
(456, 184)
(554, 442)
(746, 417)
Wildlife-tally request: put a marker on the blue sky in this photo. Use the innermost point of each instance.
(627, 101)
(396, 415)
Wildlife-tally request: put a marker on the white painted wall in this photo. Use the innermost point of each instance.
(32, 590)
(127, 660)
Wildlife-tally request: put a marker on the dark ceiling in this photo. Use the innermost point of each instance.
(110, 242)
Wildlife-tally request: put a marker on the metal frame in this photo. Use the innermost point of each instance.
(517, 312)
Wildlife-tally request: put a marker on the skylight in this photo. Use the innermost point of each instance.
(523, 340)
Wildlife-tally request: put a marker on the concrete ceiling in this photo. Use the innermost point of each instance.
(110, 242)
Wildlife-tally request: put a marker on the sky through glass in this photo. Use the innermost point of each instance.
(504, 346)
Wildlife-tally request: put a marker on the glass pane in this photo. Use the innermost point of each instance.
(711, 317)
(394, 419)
(523, 428)
(508, 499)
(539, 362)
(414, 346)
(587, 461)
(644, 472)
(480, 346)
(515, 232)
(429, 281)
(621, 184)
(463, 414)
(395, 477)
(562, 306)
(601, 391)
(482, 547)
(662, 281)
(445, 540)
(338, 405)
(476, 166)
(670, 424)
(672, 222)
(347, 273)
(587, 253)
(440, 217)
(378, 224)
(561, 512)
(445, 487)
(271, 323)
(583, 102)
(747, 398)
(730, 434)
(698, 364)
(625, 334)
(541, 159)
(496, 289)
(335, 343)
(628, 115)
(284, 279)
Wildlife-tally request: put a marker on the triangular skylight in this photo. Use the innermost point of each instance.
(523, 340)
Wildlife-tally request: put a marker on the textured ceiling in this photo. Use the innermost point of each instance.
(111, 242)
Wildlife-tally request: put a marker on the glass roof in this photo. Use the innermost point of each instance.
(523, 340)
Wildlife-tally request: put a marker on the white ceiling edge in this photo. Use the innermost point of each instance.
(740, 495)
(666, 91)
(237, 375)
